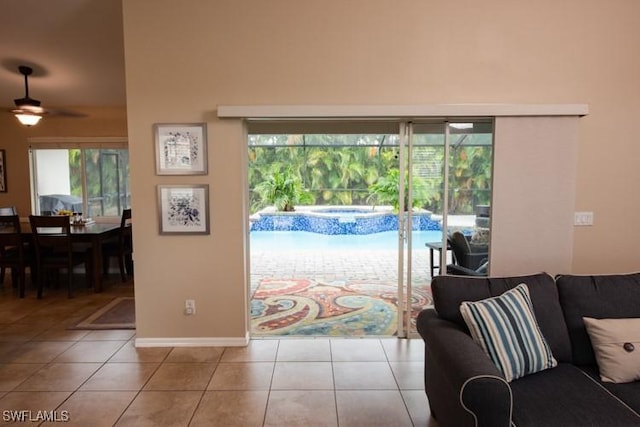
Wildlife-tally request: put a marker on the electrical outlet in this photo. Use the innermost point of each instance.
(190, 307)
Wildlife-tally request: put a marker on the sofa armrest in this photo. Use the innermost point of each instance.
(463, 386)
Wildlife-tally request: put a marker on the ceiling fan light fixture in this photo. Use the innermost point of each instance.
(28, 110)
(28, 119)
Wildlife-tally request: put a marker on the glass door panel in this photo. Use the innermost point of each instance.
(464, 151)
(425, 167)
(470, 159)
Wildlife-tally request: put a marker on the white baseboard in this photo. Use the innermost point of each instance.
(192, 342)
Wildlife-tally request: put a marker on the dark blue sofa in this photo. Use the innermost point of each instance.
(465, 388)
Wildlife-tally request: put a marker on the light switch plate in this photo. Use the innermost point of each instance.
(583, 218)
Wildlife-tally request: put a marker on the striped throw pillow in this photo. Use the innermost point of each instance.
(506, 328)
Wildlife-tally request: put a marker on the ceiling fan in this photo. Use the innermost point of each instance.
(28, 110)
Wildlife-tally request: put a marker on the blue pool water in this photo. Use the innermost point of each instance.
(333, 221)
(304, 240)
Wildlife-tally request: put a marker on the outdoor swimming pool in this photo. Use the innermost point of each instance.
(304, 240)
(336, 220)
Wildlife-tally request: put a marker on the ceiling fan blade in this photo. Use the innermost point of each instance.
(63, 112)
(29, 109)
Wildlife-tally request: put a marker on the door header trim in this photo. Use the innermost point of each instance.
(258, 112)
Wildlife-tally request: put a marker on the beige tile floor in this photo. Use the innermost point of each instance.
(99, 378)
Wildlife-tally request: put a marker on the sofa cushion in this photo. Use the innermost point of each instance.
(616, 343)
(450, 291)
(629, 393)
(507, 330)
(600, 297)
(566, 396)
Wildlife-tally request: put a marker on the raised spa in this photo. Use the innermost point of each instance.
(338, 220)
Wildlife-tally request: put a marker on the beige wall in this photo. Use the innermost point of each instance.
(185, 58)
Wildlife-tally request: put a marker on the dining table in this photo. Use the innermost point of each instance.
(93, 234)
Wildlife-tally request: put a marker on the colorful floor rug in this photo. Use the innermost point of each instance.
(306, 307)
(118, 314)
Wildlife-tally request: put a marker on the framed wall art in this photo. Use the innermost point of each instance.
(3, 172)
(184, 209)
(181, 149)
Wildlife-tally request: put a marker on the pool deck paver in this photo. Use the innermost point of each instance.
(362, 264)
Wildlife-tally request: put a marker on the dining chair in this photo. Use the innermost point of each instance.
(121, 248)
(6, 211)
(14, 253)
(54, 249)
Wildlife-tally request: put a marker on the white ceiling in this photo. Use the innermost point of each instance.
(74, 46)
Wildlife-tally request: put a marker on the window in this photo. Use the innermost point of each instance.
(91, 177)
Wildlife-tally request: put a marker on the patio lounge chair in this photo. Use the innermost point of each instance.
(469, 260)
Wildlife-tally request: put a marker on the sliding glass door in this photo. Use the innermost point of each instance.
(88, 177)
(357, 253)
(448, 195)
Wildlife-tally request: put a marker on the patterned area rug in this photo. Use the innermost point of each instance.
(307, 307)
(118, 314)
